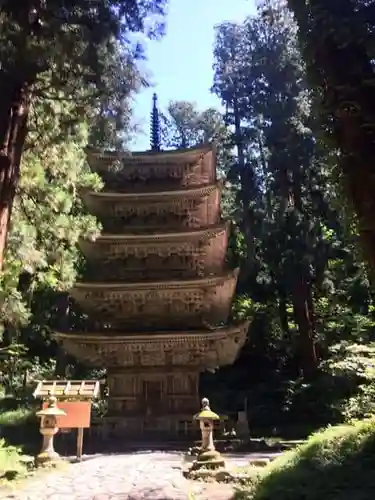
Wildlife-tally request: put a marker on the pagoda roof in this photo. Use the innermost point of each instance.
(167, 304)
(152, 171)
(156, 211)
(151, 257)
(201, 348)
(148, 157)
(149, 196)
(145, 239)
(167, 285)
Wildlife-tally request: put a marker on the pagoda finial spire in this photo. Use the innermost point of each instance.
(155, 125)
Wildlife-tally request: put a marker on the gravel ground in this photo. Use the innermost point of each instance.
(137, 476)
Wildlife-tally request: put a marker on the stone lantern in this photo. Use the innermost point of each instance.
(48, 429)
(207, 457)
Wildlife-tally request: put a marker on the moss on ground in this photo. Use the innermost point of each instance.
(19, 425)
(16, 417)
(335, 464)
(19, 439)
(14, 465)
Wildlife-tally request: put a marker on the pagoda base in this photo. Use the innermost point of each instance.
(140, 428)
(153, 378)
(152, 392)
(151, 405)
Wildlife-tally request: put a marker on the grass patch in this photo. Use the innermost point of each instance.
(13, 464)
(20, 441)
(16, 417)
(335, 464)
(16, 468)
(17, 440)
(19, 425)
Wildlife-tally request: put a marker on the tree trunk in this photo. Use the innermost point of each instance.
(246, 191)
(302, 314)
(63, 308)
(14, 110)
(283, 314)
(334, 38)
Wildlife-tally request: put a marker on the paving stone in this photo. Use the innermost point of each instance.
(122, 477)
(136, 476)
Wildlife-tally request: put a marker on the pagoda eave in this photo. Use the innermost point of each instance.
(194, 302)
(152, 212)
(97, 158)
(92, 198)
(201, 349)
(144, 239)
(200, 283)
(137, 172)
(108, 246)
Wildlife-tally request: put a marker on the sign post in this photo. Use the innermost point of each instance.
(79, 442)
(74, 398)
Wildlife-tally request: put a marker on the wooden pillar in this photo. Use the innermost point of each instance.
(183, 391)
(122, 392)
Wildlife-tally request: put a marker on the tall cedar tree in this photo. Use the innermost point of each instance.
(69, 42)
(260, 79)
(338, 45)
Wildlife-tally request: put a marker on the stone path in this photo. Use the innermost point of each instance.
(137, 476)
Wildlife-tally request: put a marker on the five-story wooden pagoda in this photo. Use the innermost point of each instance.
(159, 294)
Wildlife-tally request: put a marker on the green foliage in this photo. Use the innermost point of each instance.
(302, 281)
(183, 125)
(333, 37)
(335, 464)
(21, 370)
(79, 56)
(17, 417)
(42, 259)
(309, 359)
(80, 67)
(83, 49)
(12, 463)
(69, 109)
(352, 366)
(19, 435)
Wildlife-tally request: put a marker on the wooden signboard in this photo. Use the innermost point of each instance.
(78, 414)
(74, 397)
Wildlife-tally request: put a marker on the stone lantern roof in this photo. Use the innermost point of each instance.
(206, 413)
(52, 410)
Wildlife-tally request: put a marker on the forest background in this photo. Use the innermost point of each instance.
(309, 359)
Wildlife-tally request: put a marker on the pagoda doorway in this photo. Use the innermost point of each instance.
(152, 395)
(152, 391)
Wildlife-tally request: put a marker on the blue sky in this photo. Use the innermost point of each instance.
(180, 65)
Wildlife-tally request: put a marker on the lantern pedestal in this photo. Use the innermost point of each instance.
(48, 429)
(208, 458)
(47, 453)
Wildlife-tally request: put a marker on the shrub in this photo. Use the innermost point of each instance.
(335, 464)
(16, 417)
(12, 465)
(19, 425)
